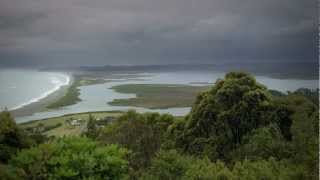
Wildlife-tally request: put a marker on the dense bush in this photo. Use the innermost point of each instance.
(237, 119)
(263, 143)
(92, 130)
(11, 137)
(222, 116)
(71, 158)
(142, 134)
(305, 135)
(174, 166)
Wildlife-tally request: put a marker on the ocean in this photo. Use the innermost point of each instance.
(20, 87)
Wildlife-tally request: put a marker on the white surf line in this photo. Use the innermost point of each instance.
(58, 83)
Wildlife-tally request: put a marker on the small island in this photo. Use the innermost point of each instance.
(158, 96)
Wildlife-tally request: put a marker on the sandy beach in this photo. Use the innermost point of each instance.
(40, 106)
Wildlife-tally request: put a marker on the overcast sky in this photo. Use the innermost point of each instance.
(104, 32)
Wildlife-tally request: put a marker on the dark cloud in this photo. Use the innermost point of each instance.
(99, 32)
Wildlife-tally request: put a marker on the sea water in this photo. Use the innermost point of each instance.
(20, 87)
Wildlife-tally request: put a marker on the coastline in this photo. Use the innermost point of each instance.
(41, 104)
(59, 98)
(82, 79)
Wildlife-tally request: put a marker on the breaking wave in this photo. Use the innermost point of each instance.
(58, 83)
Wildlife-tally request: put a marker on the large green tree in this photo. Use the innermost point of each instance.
(222, 116)
(11, 137)
(92, 130)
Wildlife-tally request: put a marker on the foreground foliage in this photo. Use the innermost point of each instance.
(71, 158)
(143, 134)
(12, 138)
(172, 165)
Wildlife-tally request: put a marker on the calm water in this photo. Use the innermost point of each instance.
(22, 87)
(96, 97)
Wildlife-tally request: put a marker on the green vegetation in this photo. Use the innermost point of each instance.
(41, 128)
(71, 97)
(239, 120)
(73, 92)
(158, 96)
(12, 138)
(225, 114)
(71, 158)
(61, 125)
(237, 130)
(86, 81)
(92, 130)
(172, 165)
(143, 134)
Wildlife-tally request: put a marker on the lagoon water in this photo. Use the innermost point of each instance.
(22, 87)
(96, 97)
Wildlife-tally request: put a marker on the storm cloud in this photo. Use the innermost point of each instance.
(104, 32)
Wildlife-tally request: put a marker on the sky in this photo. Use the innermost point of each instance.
(134, 32)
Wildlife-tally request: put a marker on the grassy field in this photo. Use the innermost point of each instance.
(158, 96)
(65, 129)
(59, 126)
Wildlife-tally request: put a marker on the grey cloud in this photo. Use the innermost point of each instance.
(82, 32)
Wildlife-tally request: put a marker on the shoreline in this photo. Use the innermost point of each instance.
(44, 95)
(41, 104)
(84, 80)
(46, 103)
